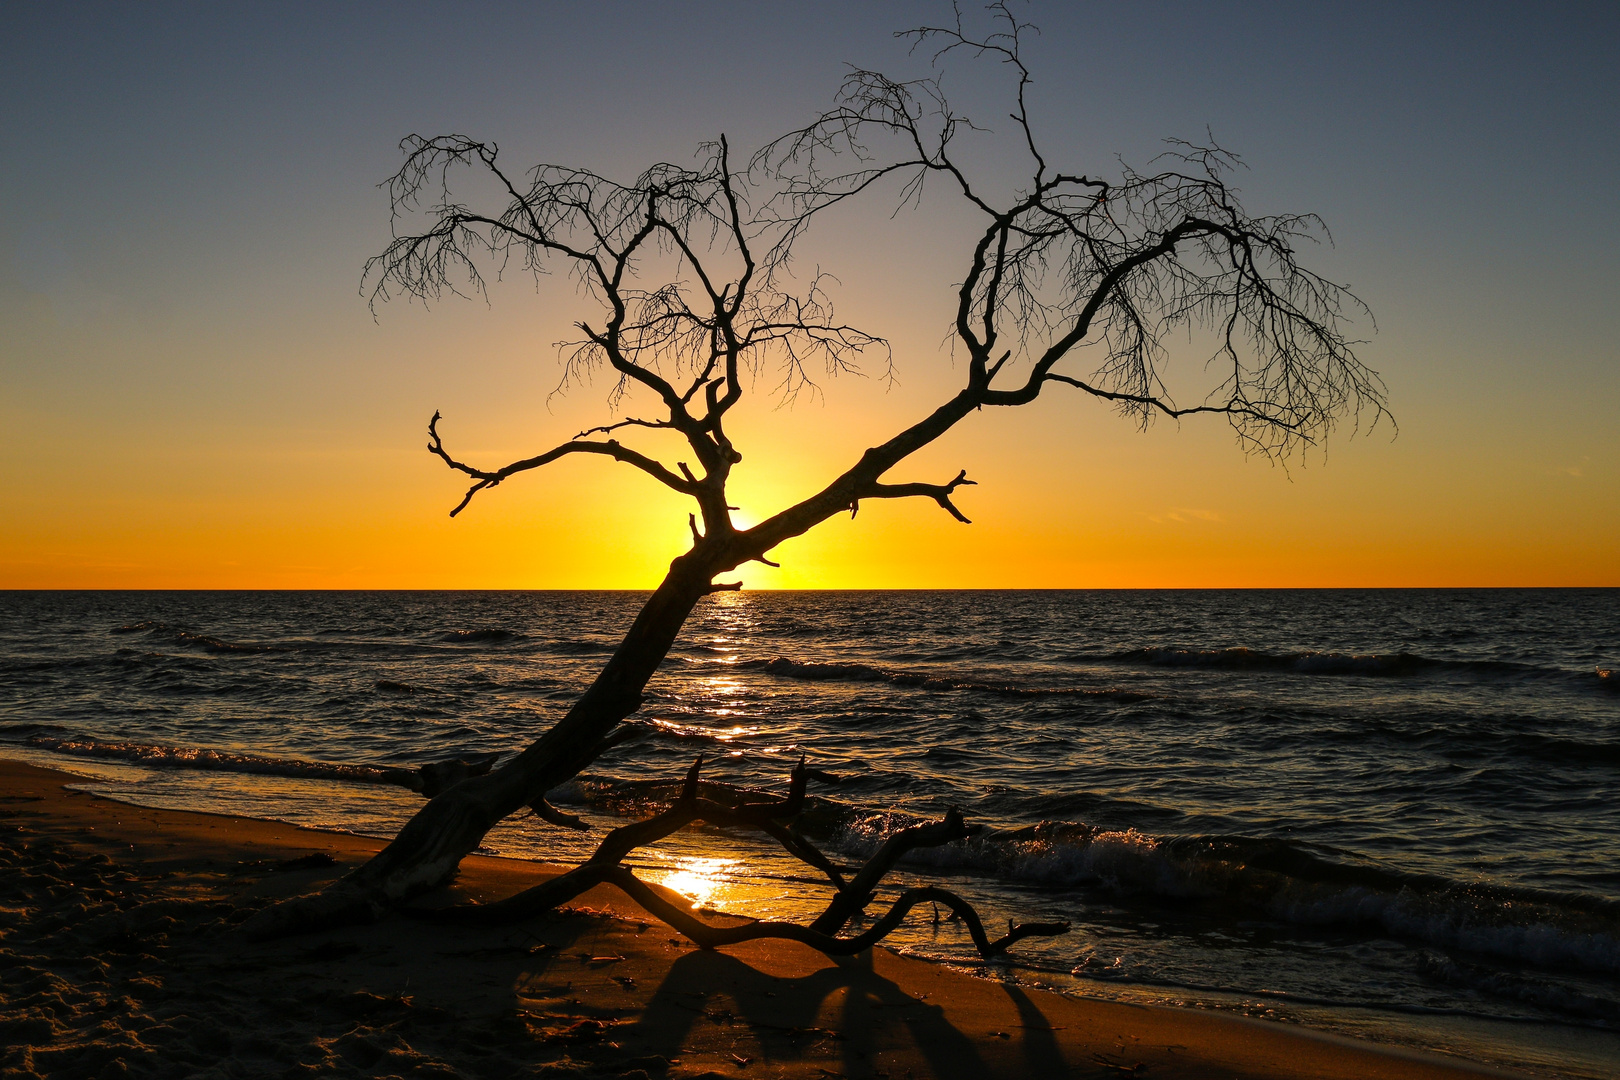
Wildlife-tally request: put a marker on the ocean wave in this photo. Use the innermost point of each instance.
(1559, 749)
(477, 637)
(580, 647)
(674, 730)
(183, 757)
(1238, 877)
(1517, 987)
(19, 731)
(138, 655)
(1281, 880)
(835, 672)
(1315, 663)
(640, 798)
(187, 639)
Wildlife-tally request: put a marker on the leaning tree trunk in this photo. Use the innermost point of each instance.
(427, 851)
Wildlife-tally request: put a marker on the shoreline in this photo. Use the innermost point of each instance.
(119, 946)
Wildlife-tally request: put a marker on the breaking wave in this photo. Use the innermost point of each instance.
(1232, 877)
(183, 757)
(1285, 881)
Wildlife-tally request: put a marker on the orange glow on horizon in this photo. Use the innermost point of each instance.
(1057, 505)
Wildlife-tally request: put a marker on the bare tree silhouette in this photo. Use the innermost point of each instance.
(1074, 283)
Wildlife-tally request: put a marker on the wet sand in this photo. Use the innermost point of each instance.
(119, 957)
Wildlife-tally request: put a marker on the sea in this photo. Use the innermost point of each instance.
(1390, 814)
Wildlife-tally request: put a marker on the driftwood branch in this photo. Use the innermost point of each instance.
(710, 937)
(852, 900)
(852, 896)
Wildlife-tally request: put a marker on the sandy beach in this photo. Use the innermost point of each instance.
(121, 958)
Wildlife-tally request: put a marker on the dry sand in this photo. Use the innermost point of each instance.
(118, 958)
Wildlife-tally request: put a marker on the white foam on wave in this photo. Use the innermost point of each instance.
(185, 757)
(1470, 917)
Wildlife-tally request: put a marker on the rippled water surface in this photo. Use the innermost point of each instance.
(1376, 810)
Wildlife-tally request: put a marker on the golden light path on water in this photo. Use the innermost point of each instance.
(718, 734)
(713, 882)
(705, 881)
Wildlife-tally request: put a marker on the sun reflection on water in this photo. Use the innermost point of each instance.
(719, 734)
(705, 881)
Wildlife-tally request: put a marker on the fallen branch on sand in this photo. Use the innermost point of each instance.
(851, 896)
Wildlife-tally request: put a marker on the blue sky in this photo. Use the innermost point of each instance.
(191, 191)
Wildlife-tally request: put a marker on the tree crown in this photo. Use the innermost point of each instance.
(1074, 280)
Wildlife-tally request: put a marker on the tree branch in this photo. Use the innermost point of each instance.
(1271, 414)
(606, 866)
(628, 422)
(611, 448)
(858, 894)
(940, 493)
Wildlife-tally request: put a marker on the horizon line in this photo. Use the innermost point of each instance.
(848, 589)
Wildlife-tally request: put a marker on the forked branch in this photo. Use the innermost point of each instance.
(712, 937)
(851, 897)
(611, 448)
(940, 493)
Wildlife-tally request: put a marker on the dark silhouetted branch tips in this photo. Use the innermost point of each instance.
(605, 428)
(1083, 269)
(689, 789)
(779, 808)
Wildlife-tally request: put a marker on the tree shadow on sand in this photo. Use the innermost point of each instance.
(793, 1019)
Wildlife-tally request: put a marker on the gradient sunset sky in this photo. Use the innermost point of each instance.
(196, 395)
